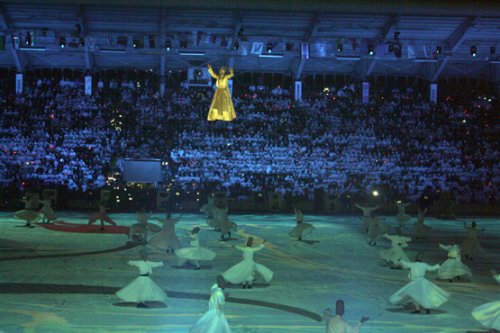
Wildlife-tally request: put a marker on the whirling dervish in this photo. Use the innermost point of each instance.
(101, 216)
(395, 254)
(470, 246)
(28, 214)
(375, 229)
(420, 228)
(423, 293)
(337, 324)
(453, 267)
(139, 231)
(301, 229)
(47, 211)
(222, 222)
(489, 314)
(166, 240)
(222, 105)
(244, 271)
(401, 216)
(367, 213)
(194, 253)
(143, 289)
(208, 208)
(213, 321)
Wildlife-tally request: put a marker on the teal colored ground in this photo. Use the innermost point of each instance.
(335, 262)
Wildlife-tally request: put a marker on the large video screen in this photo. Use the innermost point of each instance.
(142, 171)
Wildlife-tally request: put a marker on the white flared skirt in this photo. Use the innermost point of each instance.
(195, 253)
(421, 230)
(394, 255)
(471, 247)
(402, 218)
(27, 215)
(211, 322)
(227, 226)
(488, 315)
(49, 213)
(245, 270)
(164, 242)
(421, 291)
(301, 230)
(207, 209)
(142, 289)
(214, 223)
(452, 268)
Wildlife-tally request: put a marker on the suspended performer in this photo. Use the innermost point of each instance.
(222, 106)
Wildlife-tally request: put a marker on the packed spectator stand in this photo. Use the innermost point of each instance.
(53, 135)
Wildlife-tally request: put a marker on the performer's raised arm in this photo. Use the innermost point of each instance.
(156, 263)
(433, 268)
(211, 72)
(231, 73)
(445, 247)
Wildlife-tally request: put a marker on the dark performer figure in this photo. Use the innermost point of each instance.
(102, 216)
(301, 229)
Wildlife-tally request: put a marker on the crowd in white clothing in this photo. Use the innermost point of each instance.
(55, 135)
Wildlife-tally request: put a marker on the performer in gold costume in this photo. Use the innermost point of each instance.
(222, 106)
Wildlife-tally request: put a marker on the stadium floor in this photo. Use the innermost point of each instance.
(52, 281)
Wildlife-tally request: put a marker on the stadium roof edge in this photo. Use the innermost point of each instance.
(402, 7)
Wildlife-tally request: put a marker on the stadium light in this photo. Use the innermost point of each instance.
(473, 51)
(371, 49)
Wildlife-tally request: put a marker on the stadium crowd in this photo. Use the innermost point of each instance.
(54, 135)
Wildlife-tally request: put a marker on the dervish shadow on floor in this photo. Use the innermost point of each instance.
(149, 305)
(409, 308)
(254, 286)
(189, 266)
(309, 242)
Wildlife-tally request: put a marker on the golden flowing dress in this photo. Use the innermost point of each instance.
(222, 106)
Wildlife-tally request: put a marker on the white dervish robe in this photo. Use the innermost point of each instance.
(489, 314)
(402, 217)
(143, 289)
(166, 239)
(395, 254)
(453, 266)
(367, 210)
(245, 270)
(337, 324)
(470, 246)
(213, 321)
(208, 208)
(47, 210)
(195, 252)
(419, 289)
